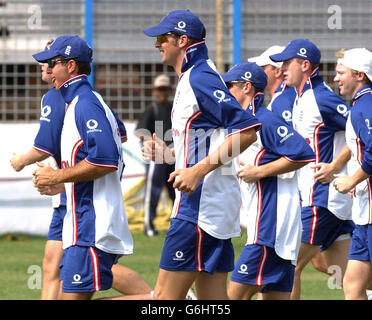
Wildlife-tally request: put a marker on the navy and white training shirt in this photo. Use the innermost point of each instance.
(95, 214)
(320, 115)
(204, 113)
(271, 206)
(359, 141)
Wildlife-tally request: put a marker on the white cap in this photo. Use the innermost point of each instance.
(264, 58)
(162, 81)
(358, 59)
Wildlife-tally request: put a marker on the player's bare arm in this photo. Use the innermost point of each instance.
(51, 190)
(251, 173)
(326, 171)
(188, 179)
(83, 171)
(344, 183)
(21, 160)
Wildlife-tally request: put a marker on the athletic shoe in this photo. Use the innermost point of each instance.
(151, 232)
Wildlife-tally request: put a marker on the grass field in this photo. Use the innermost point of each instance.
(21, 257)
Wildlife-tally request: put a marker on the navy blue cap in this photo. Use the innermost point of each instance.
(180, 22)
(68, 47)
(299, 48)
(247, 71)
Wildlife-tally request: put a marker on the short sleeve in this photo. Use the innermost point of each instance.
(334, 110)
(365, 135)
(48, 138)
(279, 137)
(218, 105)
(97, 134)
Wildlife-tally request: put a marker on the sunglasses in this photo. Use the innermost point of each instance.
(231, 83)
(163, 37)
(52, 62)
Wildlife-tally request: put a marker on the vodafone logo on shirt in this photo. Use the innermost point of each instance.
(220, 95)
(45, 112)
(282, 131)
(92, 126)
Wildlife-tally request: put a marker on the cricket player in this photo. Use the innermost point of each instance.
(207, 124)
(319, 115)
(282, 96)
(95, 228)
(354, 78)
(270, 204)
(47, 144)
(281, 103)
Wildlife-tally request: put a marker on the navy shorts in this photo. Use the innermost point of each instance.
(321, 227)
(361, 243)
(86, 269)
(189, 248)
(260, 265)
(56, 224)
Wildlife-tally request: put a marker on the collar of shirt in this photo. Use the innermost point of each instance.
(281, 87)
(310, 81)
(365, 89)
(256, 102)
(69, 88)
(194, 53)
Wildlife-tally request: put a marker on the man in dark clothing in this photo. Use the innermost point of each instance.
(157, 119)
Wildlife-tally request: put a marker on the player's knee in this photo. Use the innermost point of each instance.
(50, 266)
(348, 283)
(352, 288)
(47, 261)
(298, 270)
(320, 266)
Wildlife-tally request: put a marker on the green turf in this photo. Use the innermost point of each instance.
(25, 253)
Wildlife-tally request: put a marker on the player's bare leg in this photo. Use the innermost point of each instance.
(356, 280)
(52, 257)
(128, 281)
(319, 262)
(306, 253)
(77, 295)
(276, 295)
(173, 285)
(211, 286)
(239, 291)
(144, 296)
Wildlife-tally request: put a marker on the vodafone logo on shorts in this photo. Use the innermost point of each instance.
(179, 256)
(243, 269)
(77, 279)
